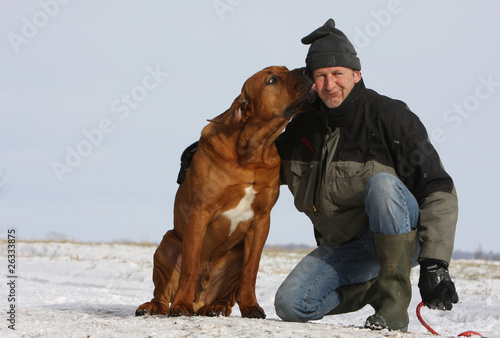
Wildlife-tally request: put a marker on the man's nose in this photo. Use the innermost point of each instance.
(330, 82)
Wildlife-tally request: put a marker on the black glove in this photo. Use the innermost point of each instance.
(436, 287)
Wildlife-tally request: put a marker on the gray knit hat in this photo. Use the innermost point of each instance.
(330, 48)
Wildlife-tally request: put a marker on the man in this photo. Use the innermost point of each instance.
(361, 167)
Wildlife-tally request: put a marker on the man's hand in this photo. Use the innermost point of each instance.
(436, 287)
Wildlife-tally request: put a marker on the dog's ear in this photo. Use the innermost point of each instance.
(237, 113)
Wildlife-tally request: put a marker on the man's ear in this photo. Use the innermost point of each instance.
(357, 76)
(237, 113)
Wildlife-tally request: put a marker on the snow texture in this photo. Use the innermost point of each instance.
(92, 290)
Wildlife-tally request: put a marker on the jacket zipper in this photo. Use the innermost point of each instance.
(322, 171)
(317, 183)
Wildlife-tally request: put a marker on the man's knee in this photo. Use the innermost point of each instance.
(293, 307)
(389, 205)
(286, 306)
(380, 187)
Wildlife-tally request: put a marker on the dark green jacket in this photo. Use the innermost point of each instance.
(329, 155)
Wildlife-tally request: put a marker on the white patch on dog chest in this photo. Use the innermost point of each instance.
(243, 211)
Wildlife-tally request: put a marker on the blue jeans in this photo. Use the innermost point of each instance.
(310, 290)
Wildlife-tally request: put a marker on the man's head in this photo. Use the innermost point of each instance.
(333, 84)
(333, 64)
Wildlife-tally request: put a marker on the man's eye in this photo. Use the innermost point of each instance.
(272, 80)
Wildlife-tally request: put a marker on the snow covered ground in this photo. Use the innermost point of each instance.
(92, 290)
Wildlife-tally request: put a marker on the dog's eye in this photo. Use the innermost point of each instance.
(272, 80)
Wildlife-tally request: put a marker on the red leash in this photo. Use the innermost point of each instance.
(431, 330)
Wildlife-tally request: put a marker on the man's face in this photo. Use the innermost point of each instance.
(333, 84)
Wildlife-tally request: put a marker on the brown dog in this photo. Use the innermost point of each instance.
(222, 209)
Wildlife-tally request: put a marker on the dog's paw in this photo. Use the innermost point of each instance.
(151, 308)
(177, 310)
(142, 312)
(215, 310)
(252, 312)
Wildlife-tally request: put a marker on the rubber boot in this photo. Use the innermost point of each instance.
(356, 296)
(395, 253)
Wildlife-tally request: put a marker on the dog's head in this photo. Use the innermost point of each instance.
(274, 92)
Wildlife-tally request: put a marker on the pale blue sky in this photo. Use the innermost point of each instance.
(110, 92)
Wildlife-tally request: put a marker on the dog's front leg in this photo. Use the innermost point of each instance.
(193, 238)
(254, 244)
